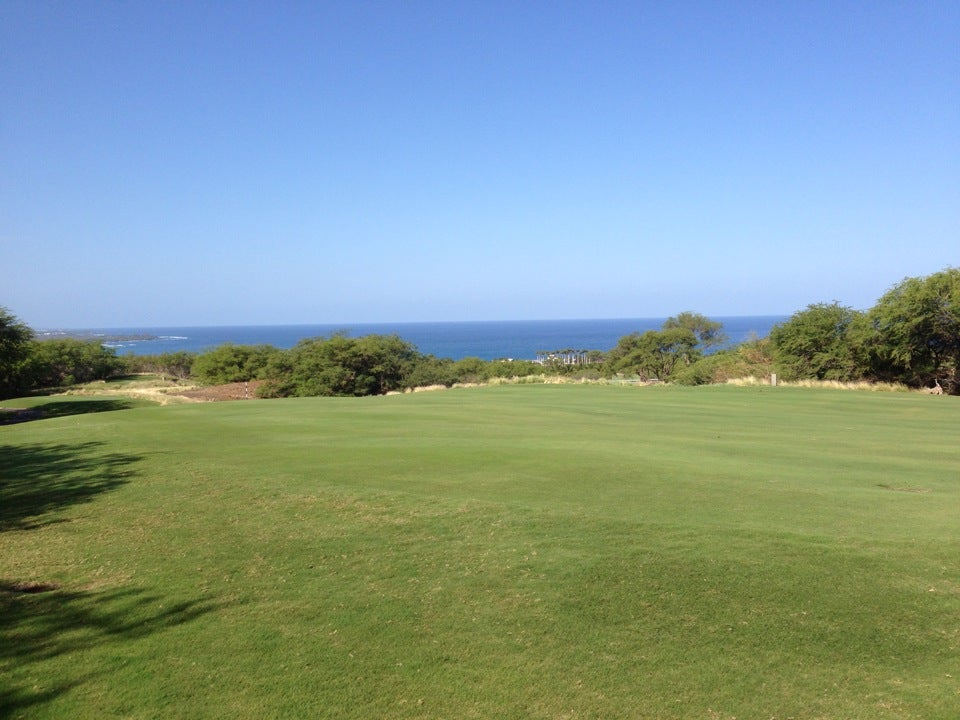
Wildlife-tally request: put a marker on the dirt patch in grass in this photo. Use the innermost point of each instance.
(231, 391)
(152, 388)
(904, 489)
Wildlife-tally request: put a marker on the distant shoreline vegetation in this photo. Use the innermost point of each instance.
(911, 337)
(487, 340)
(103, 338)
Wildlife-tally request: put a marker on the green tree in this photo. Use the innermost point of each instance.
(915, 331)
(65, 361)
(340, 365)
(818, 343)
(231, 363)
(654, 354)
(179, 364)
(176, 364)
(471, 370)
(749, 358)
(430, 370)
(385, 361)
(15, 339)
(513, 368)
(709, 333)
(658, 354)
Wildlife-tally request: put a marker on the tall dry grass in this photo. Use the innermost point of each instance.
(752, 381)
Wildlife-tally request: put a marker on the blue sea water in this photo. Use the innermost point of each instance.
(488, 340)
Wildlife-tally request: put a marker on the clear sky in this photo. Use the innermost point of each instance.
(197, 163)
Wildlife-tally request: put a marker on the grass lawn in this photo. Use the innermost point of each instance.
(511, 552)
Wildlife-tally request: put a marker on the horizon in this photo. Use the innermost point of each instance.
(228, 165)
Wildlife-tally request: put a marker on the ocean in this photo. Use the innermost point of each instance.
(487, 340)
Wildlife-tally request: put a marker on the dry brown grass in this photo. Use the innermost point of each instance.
(752, 381)
(148, 387)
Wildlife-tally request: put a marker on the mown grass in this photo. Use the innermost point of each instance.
(516, 551)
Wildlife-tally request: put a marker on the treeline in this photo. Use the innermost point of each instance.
(335, 365)
(27, 365)
(911, 336)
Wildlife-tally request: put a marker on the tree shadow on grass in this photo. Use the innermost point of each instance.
(40, 620)
(39, 479)
(38, 625)
(64, 408)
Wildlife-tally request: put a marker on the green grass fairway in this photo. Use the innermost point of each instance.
(505, 552)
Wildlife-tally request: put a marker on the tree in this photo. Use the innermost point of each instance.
(65, 361)
(15, 339)
(708, 332)
(430, 370)
(340, 365)
(818, 344)
(655, 353)
(915, 331)
(177, 364)
(384, 363)
(471, 370)
(231, 363)
(748, 359)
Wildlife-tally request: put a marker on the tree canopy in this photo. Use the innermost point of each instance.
(65, 361)
(817, 343)
(15, 339)
(341, 365)
(657, 354)
(231, 363)
(709, 333)
(916, 330)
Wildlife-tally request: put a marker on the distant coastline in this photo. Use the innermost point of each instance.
(103, 337)
(487, 340)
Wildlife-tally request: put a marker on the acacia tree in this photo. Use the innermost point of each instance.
(15, 339)
(657, 354)
(915, 331)
(654, 354)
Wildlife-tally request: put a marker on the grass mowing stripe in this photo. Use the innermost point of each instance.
(513, 552)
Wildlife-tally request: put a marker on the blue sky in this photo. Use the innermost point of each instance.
(188, 163)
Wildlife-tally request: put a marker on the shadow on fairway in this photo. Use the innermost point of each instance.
(40, 624)
(63, 408)
(40, 620)
(39, 479)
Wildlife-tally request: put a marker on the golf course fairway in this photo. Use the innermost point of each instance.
(524, 551)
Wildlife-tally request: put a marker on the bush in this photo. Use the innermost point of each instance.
(175, 364)
(15, 338)
(429, 371)
(231, 363)
(913, 333)
(56, 363)
(340, 365)
(818, 343)
(749, 359)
